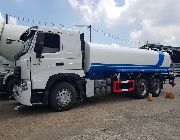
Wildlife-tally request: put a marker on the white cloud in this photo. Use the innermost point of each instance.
(103, 11)
(74, 3)
(168, 35)
(159, 19)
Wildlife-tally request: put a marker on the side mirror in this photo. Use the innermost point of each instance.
(38, 49)
(9, 41)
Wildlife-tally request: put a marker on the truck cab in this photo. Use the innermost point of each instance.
(49, 54)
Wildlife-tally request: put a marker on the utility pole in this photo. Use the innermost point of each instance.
(90, 31)
(88, 27)
(7, 19)
(147, 45)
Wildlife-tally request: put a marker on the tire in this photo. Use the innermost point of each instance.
(62, 97)
(9, 88)
(155, 87)
(141, 90)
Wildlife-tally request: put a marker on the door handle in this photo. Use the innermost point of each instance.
(28, 64)
(6, 64)
(60, 64)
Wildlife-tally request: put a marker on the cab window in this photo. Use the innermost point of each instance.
(50, 42)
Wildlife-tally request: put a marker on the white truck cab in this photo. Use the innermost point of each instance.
(49, 54)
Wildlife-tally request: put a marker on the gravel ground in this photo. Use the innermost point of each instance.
(104, 118)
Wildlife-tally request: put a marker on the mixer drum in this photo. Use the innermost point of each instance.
(13, 32)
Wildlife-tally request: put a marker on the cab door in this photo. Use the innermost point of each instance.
(51, 61)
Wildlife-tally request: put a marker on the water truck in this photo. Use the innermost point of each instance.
(57, 67)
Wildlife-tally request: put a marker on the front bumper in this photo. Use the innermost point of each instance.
(21, 95)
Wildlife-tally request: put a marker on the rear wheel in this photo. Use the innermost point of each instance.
(141, 90)
(155, 87)
(62, 97)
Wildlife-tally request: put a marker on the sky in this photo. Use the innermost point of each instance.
(129, 23)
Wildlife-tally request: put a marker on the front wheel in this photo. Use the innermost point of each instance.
(62, 97)
(141, 90)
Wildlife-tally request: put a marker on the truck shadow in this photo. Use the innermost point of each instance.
(40, 110)
(109, 98)
(103, 99)
(3, 97)
(8, 111)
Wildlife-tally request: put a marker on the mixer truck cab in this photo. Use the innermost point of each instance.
(58, 68)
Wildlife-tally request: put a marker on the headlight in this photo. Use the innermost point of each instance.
(24, 86)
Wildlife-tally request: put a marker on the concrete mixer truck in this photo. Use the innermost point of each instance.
(58, 68)
(9, 45)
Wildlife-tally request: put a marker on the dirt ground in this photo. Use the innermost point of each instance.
(104, 118)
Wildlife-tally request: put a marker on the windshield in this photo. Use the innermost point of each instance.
(27, 44)
(27, 38)
(28, 33)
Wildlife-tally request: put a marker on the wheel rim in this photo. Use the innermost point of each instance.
(14, 90)
(64, 97)
(143, 89)
(156, 87)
